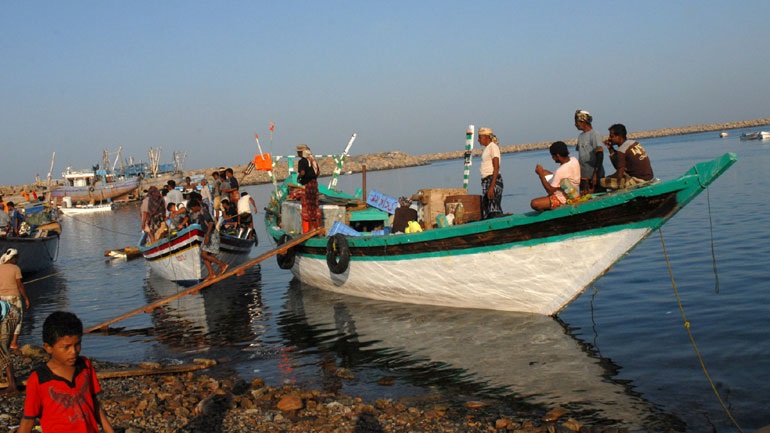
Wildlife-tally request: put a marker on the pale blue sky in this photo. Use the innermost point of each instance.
(201, 77)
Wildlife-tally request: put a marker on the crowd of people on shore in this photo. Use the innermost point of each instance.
(219, 206)
(575, 177)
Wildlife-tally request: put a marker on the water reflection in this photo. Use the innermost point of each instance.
(220, 315)
(532, 358)
(47, 293)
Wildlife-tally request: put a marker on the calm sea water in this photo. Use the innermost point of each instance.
(620, 350)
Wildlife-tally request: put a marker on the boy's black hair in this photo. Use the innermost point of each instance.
(61, 324)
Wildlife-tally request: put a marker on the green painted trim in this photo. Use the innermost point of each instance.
(686, 187)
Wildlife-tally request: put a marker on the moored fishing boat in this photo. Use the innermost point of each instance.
(94, 187)
(537, 260)
(177, 257)
(756, 135)
(86, 208)
(38, 241)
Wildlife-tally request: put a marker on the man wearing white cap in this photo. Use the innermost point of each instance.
(12, 289)
(491, 180)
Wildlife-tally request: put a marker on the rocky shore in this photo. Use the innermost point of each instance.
(214, 400)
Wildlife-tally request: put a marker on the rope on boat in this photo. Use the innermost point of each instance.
(713, 252)
(35, 280)
(692, 338)
(97, 226)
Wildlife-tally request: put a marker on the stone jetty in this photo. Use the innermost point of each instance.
(398, 159)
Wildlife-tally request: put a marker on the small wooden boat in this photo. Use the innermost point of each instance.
(519, 253)
(86, 208)
(178, 257)
(756, 135)
(38, 245)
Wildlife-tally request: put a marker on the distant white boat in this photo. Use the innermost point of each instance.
(723, 134)
(84, 208)
(757, 135)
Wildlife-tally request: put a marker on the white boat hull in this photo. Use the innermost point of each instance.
(539, 282)
(178, 258)
(75, 210)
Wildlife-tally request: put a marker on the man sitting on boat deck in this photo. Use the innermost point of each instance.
(403, 214)
(177, 216)
(630, 160)
(566, 179)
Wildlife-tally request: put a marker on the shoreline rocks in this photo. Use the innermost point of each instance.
(199, 402)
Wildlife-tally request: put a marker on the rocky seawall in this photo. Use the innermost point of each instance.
(398, 159)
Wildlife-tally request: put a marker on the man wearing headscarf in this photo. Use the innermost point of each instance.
(590, 153)
(403, 214)
(153, 212)
(12, 290)
(491, 179)
(307, 175)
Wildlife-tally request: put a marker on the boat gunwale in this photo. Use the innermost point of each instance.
(686, 186)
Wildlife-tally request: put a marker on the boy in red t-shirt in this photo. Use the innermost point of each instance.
(62, 392)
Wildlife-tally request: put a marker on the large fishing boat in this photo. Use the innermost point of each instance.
(532, 262)
(94, 186)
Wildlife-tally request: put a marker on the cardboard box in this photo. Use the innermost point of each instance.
(291, 216)
(432, 200)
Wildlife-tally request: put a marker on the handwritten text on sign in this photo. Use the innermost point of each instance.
(382, 201)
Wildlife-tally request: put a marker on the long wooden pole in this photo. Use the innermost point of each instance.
(203, 284)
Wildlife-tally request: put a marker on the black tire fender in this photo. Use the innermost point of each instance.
(286, 261)
(337, 254)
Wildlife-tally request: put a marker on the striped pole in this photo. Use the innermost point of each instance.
(468, 155)
(340, 162)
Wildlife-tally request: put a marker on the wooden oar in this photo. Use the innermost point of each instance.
(203, 284)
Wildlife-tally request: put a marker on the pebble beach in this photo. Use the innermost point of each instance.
(213, 400)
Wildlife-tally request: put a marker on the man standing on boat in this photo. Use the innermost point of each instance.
(173, 195)
(631, 162)
(491, 179)
(590, 153)
(307, 175)
(210, 247)
(230, 186)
